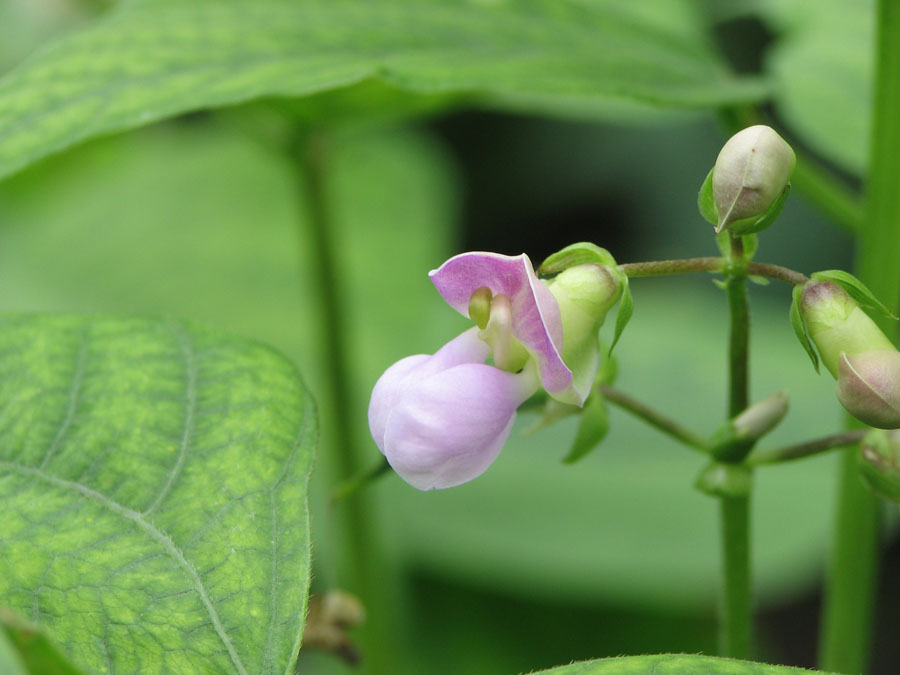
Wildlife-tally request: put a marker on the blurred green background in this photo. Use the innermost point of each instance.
(537, 563)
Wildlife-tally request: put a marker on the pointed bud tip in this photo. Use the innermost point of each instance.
(868, 386)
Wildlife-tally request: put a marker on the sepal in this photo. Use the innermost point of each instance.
(879, 463)
(856, 289)
(592, 428)
(718, 479)
(799, 326)
(575, 254)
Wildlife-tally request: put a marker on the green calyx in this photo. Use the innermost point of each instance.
(879, 463)
(585, 294)
(718, 479)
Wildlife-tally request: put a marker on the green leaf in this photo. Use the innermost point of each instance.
(153, 59)
(24, 648)
(856, 289)
(153, 483)
(706, 202)
(800, 327)
(593, 425)
(626, 309)
(821, 67)
(674, 664)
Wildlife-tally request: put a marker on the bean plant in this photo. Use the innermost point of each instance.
(218, 219)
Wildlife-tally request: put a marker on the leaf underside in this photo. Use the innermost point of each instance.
(153, 480)
(153, 59)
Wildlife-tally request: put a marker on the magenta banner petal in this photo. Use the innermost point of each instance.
(535, 312)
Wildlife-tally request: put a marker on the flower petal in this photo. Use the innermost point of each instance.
(464, 348)
(535, 312)
(447, 428)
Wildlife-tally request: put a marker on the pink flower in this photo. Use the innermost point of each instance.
(441, 420)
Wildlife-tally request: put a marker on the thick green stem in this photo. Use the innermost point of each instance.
(358, 564)
(853, 568)
(735, 602)
(735, 605)
(654, 418)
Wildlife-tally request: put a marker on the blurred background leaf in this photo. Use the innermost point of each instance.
(151, 59)
(821, 68)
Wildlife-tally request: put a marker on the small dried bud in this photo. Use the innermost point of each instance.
(750, 174)
(879, 463)
(868, 386)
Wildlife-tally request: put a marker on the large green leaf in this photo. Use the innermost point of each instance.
(157, 58)
(821, 68)
(673, 664)
(153, 481)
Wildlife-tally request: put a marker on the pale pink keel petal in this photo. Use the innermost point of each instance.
(535, 312)
(389, 386)
(447, 428)
(464, 348)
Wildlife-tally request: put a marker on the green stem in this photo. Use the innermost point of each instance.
(656, 268)
(735, 606)
(654, 418)
(356, 483)
(851, 579)
(799, 450)
(358, 562)
(735, 603)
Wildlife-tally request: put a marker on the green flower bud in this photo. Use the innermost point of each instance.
(838, 325)
(585, 294)
(879, 463)
(750, 174)
(732, 441)
(868, 387)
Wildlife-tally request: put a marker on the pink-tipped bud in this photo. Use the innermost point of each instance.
(838, 325)
(868, 386)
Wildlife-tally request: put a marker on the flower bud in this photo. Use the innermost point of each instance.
(751, 172)
(838, 325)
(585, 294)
(868, 386)
(879, 463)
(732, 442)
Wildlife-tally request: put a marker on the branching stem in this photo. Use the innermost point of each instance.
(653, 418)
(655, 268)
(799, 450)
